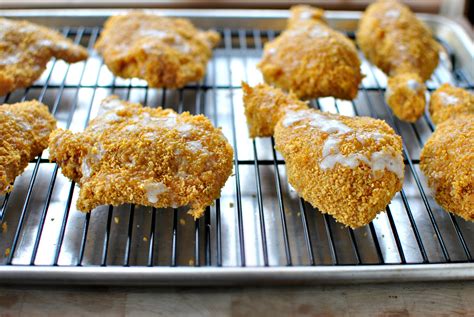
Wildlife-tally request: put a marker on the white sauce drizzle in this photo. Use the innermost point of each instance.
(448, 100)
(43, 42)
(10, 60)
(112, 104)
(177, 41)
(393, 13)
(86, 168)
(155, 33)
(111, 117)
(337, 130)
(305, 15)
(271, 51)
(413, 85)
(318, 31)
(91, 158)
(196, 146)
(153, 190)
(25, 125)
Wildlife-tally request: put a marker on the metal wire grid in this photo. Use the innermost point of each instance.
(259, 220)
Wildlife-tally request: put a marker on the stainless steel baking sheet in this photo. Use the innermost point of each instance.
(259, 231)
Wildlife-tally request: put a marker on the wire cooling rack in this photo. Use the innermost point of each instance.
(259, 222)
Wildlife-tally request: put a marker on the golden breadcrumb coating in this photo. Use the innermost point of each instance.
(406, 96)
(24, 131)
(264, 107)
(26, 48)
(393, 39)
(311, 59)
(448, 101)
(447, 160)
(145, 156)
(165, 52)
(348, 167)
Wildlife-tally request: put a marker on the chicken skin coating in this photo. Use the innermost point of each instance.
(310, 59)
(447, 160)
(265, 106)
(145, 156)
(165, 52)
(448, 101)
(406, 96)
(393, 39)
(24, 132)
(26, 48)
(348, 167)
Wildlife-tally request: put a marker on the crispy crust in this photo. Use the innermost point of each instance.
(393, 39)
(406, 96)
(26, 48)
(140, 155)
(353, 196)
(165, 52)
(396, 41)
(24, 130)
(265, 106)
(311, 59)
(448, 101)
(447, 160)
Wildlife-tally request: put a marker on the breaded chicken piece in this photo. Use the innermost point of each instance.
(140, 155)
(165, 52)
(26, 48)
(348, 167)
(393, 39)
(265, 106)
(311, 59)
(448, 101)
(24, 132)
(447, 160)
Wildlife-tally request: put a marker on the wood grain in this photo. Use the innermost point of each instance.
(420, 299)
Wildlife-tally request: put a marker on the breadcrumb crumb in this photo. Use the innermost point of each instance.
(165, 52)
(349, 167)
(24, 133)
(147, 156)
(448, 102)
(402, 46)
(311, 59)
(447, 161)
(25, 50)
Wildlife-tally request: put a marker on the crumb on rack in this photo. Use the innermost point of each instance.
(182, 221)
(117, 220)
(191, 262)
(231, 204)
(298, 214)
(145, 239)
(4, 227)
(7, 251)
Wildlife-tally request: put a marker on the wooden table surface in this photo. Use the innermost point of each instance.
(427, 299)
